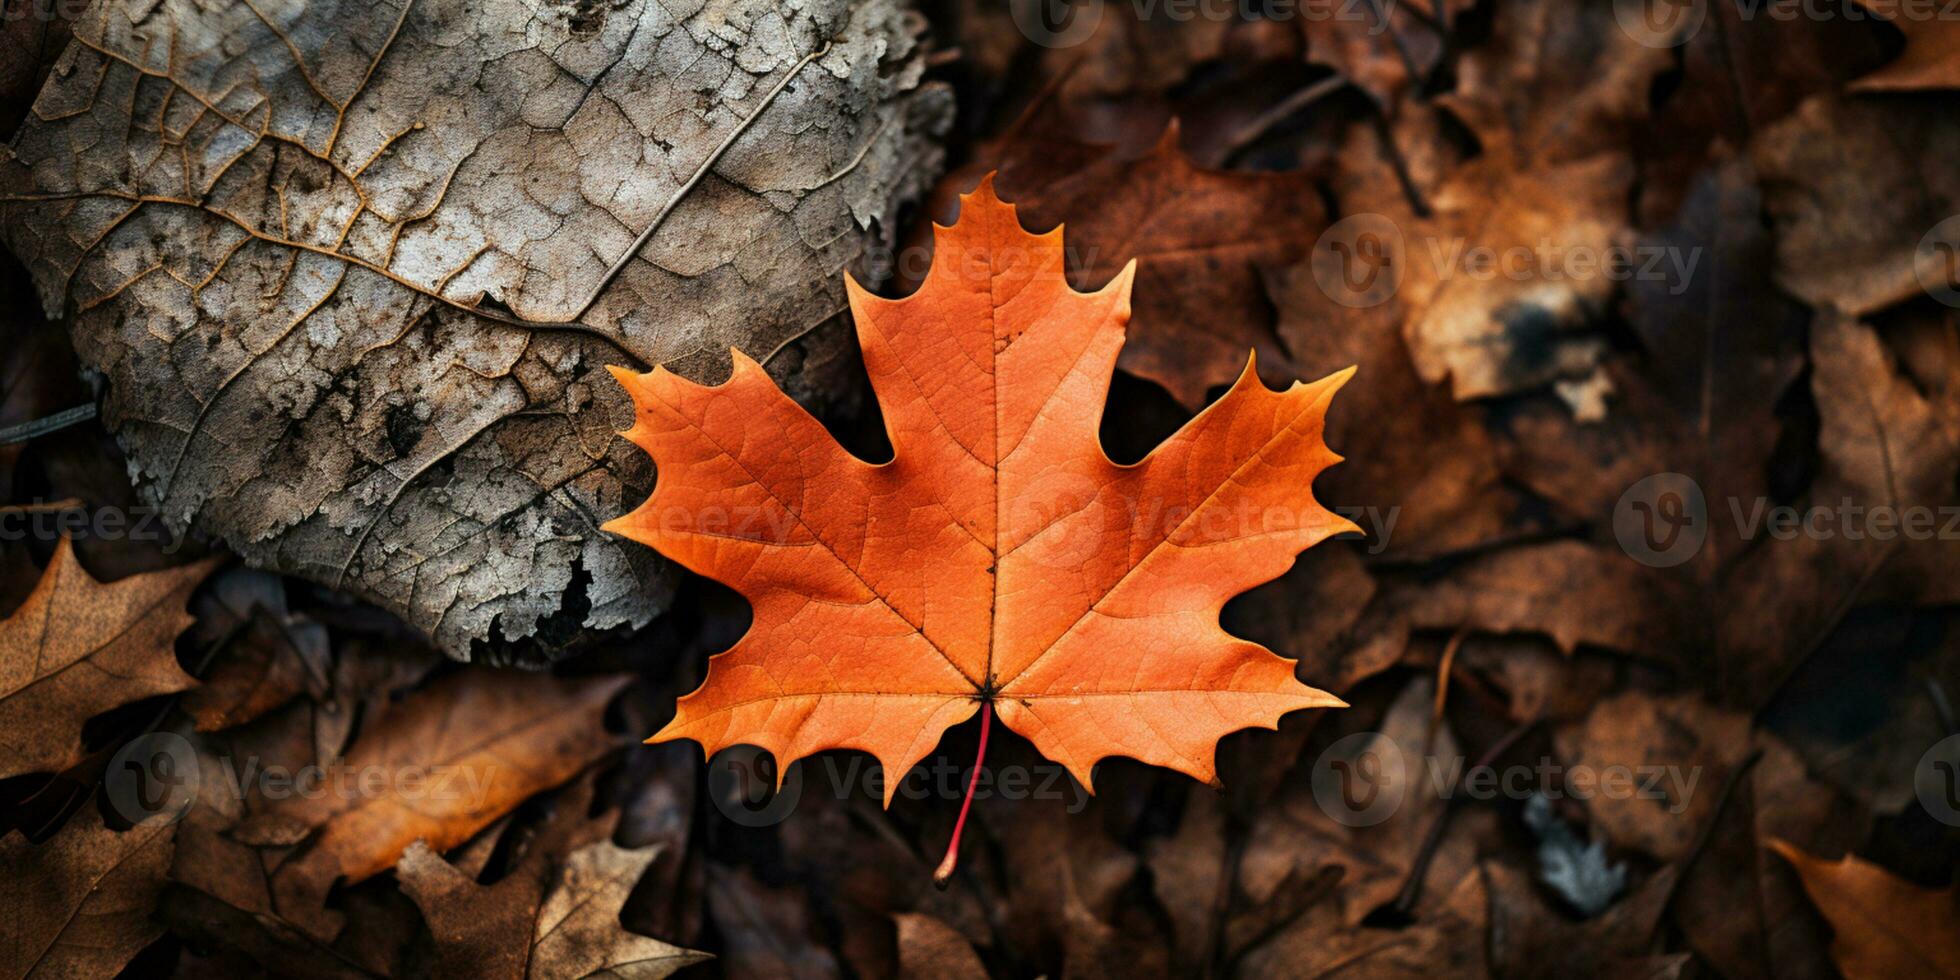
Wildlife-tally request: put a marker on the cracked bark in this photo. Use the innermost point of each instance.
(352, 270)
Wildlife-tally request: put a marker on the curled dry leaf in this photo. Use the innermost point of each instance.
(1000, 560)
(77, 648)
(79, 905)
(1931, 59)
(350, 268)
(1886, 926)
(554, 916)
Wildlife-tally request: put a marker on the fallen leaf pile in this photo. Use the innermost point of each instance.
(1635, 577)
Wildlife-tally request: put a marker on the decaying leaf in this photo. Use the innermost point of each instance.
(1886, 927)
(350, 268)
(928, 947)
(1853, 188)
(1530, 941)
(1438, 494)
(1571, 591)
(1000, 559)
(555, 915)
(1505, 282)
(1367, 869)
(77, 648)
(79, 905)
(1931, 59)
(451, 760)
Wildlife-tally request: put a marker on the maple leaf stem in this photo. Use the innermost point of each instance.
(951, 861)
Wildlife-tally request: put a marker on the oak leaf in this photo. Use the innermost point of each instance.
(79, 904)
(1886, 926)
(77, 648)
(999, 558)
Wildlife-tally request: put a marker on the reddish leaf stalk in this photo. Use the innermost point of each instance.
(945, 872)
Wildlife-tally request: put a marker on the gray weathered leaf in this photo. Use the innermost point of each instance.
(352, 269)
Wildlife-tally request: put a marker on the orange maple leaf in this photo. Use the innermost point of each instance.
(1000, 560)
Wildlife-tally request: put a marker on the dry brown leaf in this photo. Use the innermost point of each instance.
(77, 648)
(1853, 187)
(1574, 592)
(1296, 840)
(1703, 744)
(1886, 927)
(929, 949)
(1187, 871)
(1529, 940)
(1883, 444)
(1734, 905)
(265, 671)
(1740, 72)
(346, 265)
(1447, 943)
(1551, 100)
(1931, 59)
(766, 932)
(555, 915)
(1719, 352)
(1421, 465)
(1375, 45)
(442, 765)
(79, 904)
